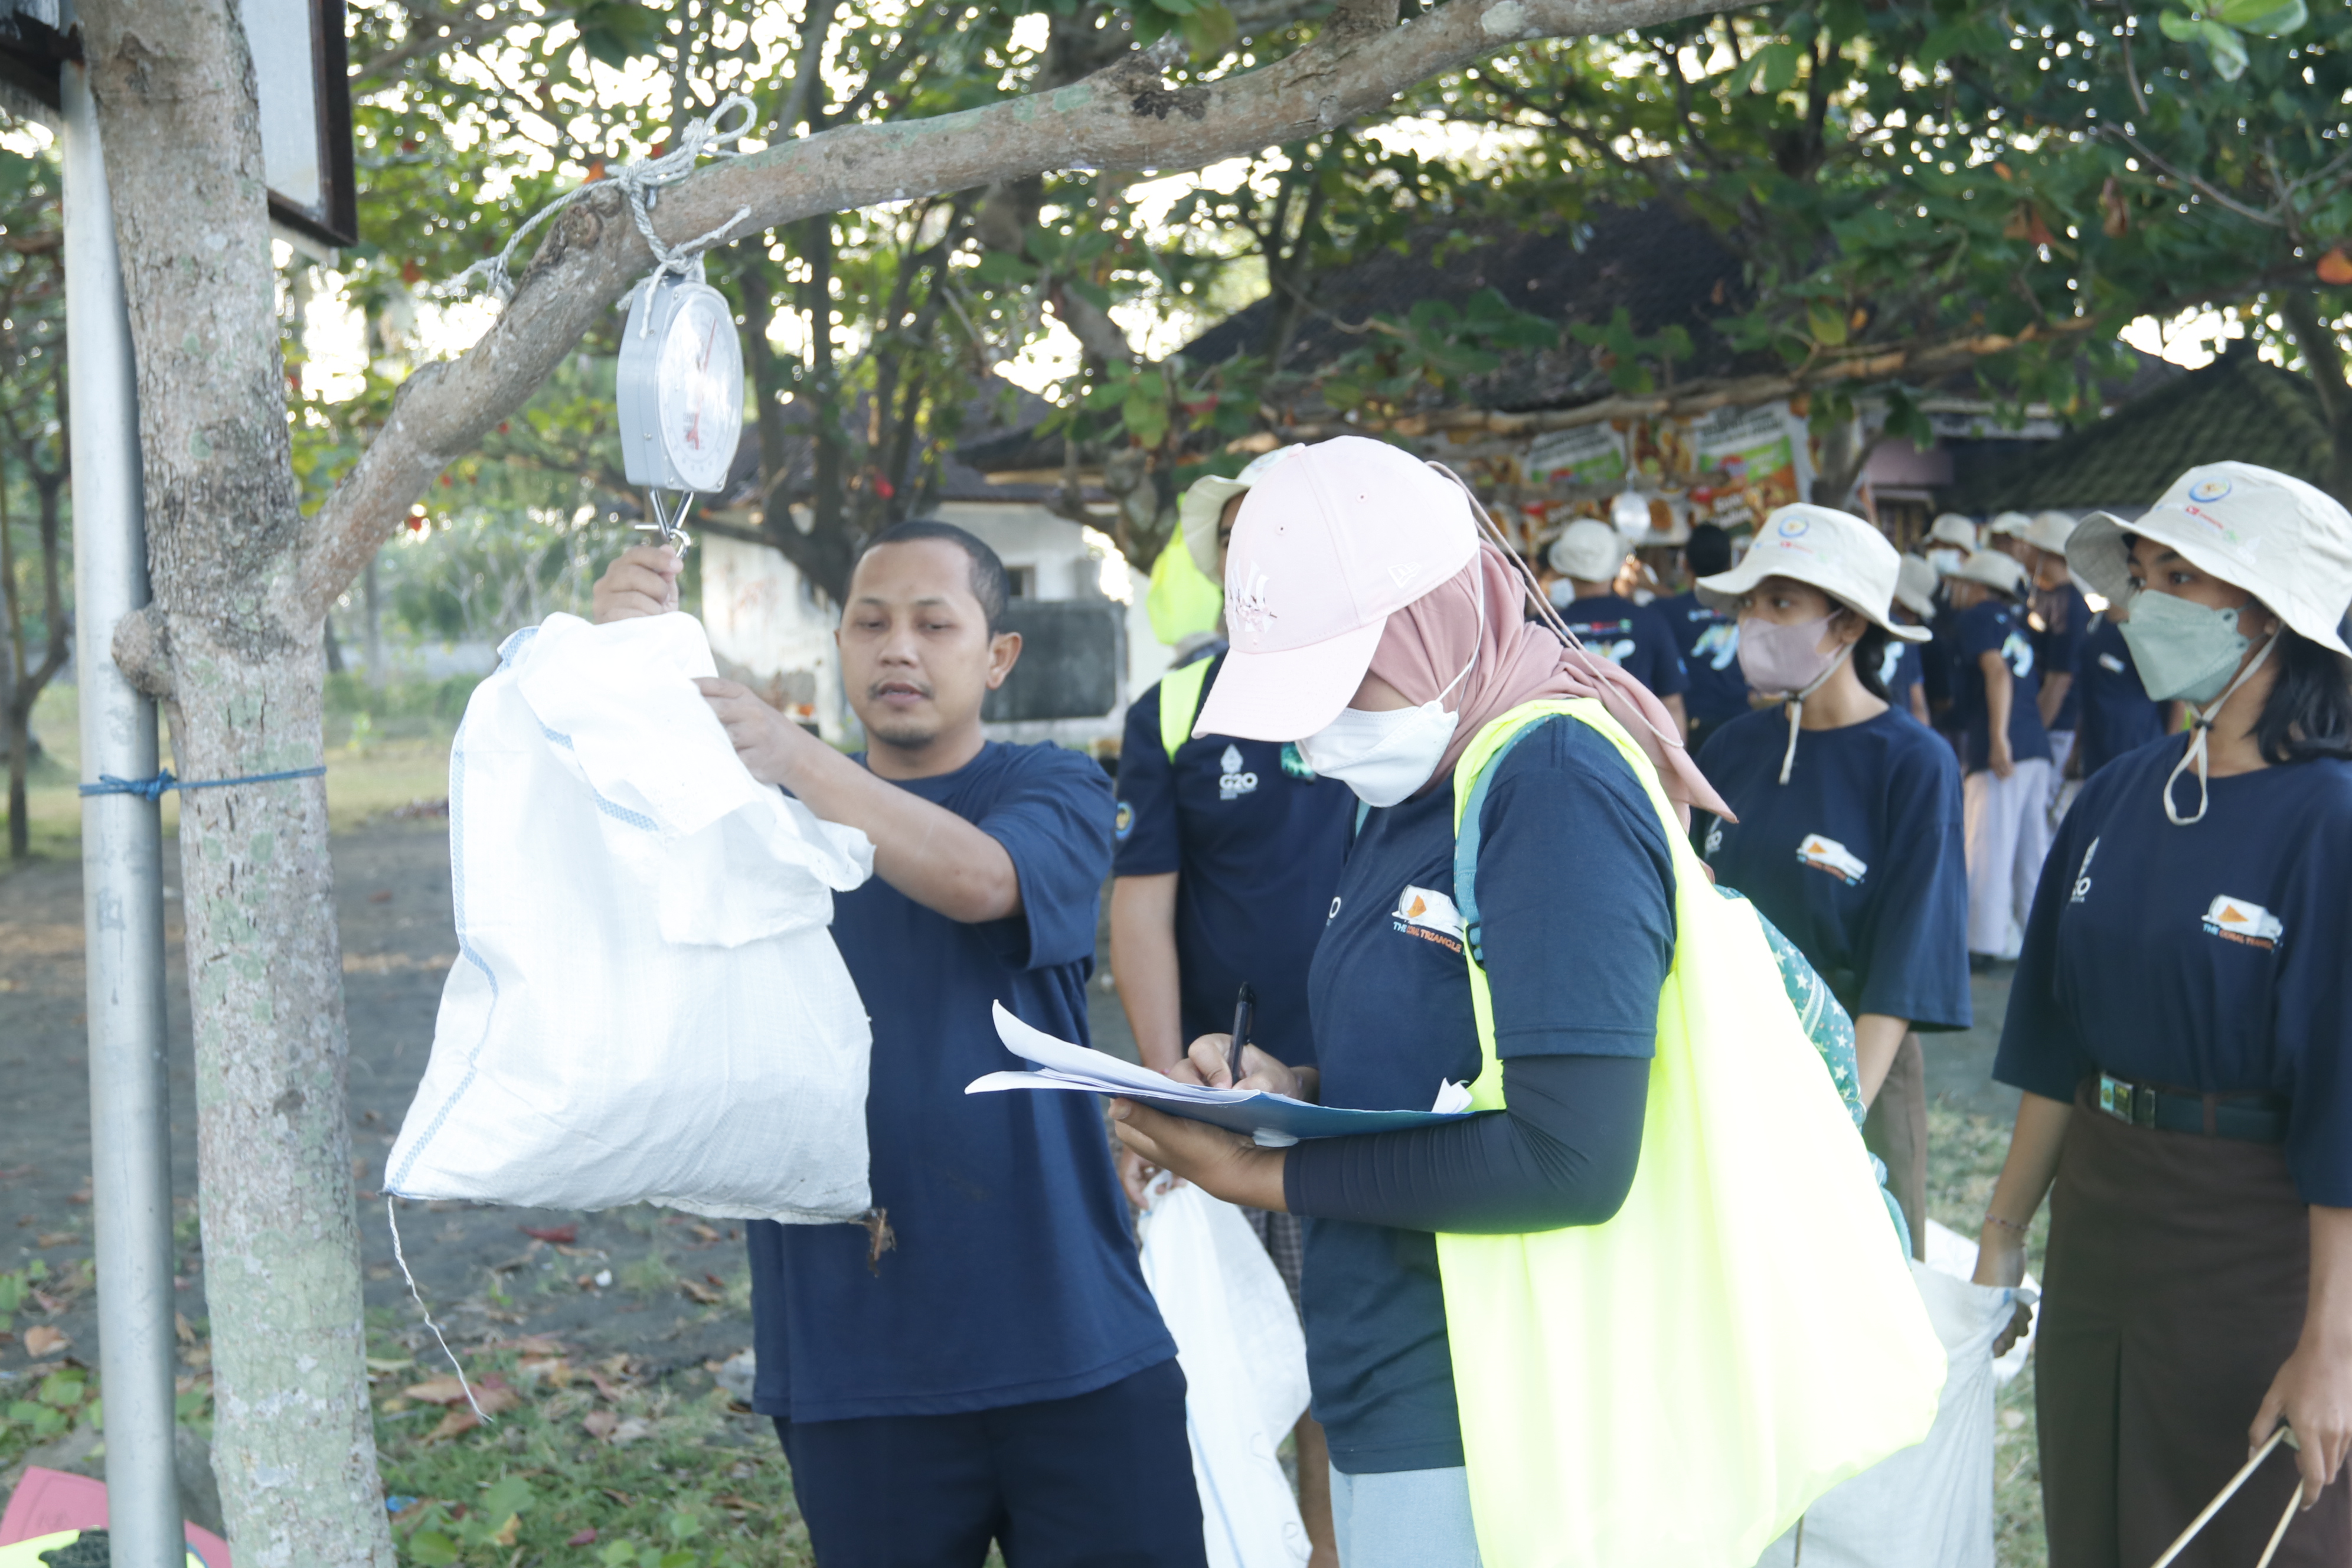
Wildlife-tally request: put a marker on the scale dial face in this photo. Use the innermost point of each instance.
(699, 388)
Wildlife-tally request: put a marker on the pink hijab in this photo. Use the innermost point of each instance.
(1427, 643)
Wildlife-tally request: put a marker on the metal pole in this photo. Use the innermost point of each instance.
(122, 882)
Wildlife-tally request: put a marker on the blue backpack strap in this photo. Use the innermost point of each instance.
(1466, 841)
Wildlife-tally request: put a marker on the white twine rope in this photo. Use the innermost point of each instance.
(641, 183)
(402, 1258)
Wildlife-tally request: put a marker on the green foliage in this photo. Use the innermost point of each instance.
(1629, 359)
(15, 1285)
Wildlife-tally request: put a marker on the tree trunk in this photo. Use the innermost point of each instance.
(2323, 362)
(293, 1445)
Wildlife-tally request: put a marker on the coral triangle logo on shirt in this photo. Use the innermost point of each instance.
(2238, 921)
(1825, 853)
(1426, 913)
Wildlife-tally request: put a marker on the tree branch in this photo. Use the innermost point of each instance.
(1124, 117)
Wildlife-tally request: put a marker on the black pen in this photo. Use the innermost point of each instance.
(1245, 1015)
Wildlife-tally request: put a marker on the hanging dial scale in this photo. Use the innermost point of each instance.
(680, 391)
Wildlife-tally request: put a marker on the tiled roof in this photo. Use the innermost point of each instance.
(2237, 407)
(1661, 267)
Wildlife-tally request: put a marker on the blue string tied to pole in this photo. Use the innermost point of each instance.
(154, 789)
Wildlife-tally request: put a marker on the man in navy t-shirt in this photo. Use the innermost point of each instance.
(982, 1359)
(1706, 638)
(1636, 638)
(2004, 752)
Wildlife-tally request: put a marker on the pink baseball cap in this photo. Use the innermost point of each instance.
(1326, 547)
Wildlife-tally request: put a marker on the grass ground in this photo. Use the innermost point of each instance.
(385, 750)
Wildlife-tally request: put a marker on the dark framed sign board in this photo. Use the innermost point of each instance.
(302, 73)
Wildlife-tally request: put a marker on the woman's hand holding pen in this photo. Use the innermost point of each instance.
(1205, 1063)
(1225, 1164)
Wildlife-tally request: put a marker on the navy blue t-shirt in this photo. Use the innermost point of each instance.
(1256, 840)
(2065, 621)
(1633, 636)
(1899, 669)
(1859, 858)
(2209, 958)
(1708, 641)
(1015, 1277)
(1996, 625)
(2117, 714)
(1390, 995)
(1939, 661)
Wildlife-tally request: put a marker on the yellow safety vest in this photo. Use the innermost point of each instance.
(1181, 599)
(1181, 692)
(1672, 1389)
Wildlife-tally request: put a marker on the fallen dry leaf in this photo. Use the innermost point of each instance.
(81, 1197)
(443, 1390)
(530, 1344)
(56, 1239)
(558, 1235)
(42, 1340)
(600, 1424)
(582, 1537)
(631, 1430)
(497, 1401)
(454, 1423)
(183, 1330)
(505, 1534)
(698, 1290)
(704, 1233)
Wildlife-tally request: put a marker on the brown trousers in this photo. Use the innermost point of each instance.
(1896, 1132)
(2174, 1290)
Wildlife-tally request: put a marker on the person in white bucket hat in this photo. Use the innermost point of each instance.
(1951, 539)
(2180, 1028)
(1848, 836)
(2060, 619)
(1995, 722)
(1904, 672)
(1637, 638)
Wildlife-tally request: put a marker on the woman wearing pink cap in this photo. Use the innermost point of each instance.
(1372, 626)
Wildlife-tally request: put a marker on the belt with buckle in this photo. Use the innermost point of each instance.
(2251, 1119)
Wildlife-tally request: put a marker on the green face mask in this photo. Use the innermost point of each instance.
(2183, 649)
(2188, 651)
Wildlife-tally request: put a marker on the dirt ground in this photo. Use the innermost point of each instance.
(675, 1294)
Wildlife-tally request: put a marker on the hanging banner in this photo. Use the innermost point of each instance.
(1587, 455)
(1762, 451)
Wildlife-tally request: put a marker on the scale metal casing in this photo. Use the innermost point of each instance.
(679, 387)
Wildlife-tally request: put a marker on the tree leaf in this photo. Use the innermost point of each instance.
(2228, 49)
(1828, 324)
(2180, 27)
(2268, 17)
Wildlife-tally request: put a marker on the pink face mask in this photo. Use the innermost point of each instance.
(1784, 660)
(1788, 661)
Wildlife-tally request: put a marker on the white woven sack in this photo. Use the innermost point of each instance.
(1928, 1506)
(1244, 1359)
(646, 1005)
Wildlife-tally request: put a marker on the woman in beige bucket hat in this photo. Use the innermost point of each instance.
(2181, 1028)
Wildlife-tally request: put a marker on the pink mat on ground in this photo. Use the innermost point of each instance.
(47, 1502)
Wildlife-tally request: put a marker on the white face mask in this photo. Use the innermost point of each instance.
(1384, 757)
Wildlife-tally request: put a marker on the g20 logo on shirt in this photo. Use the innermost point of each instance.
(1123, 822)
(1234, 781)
